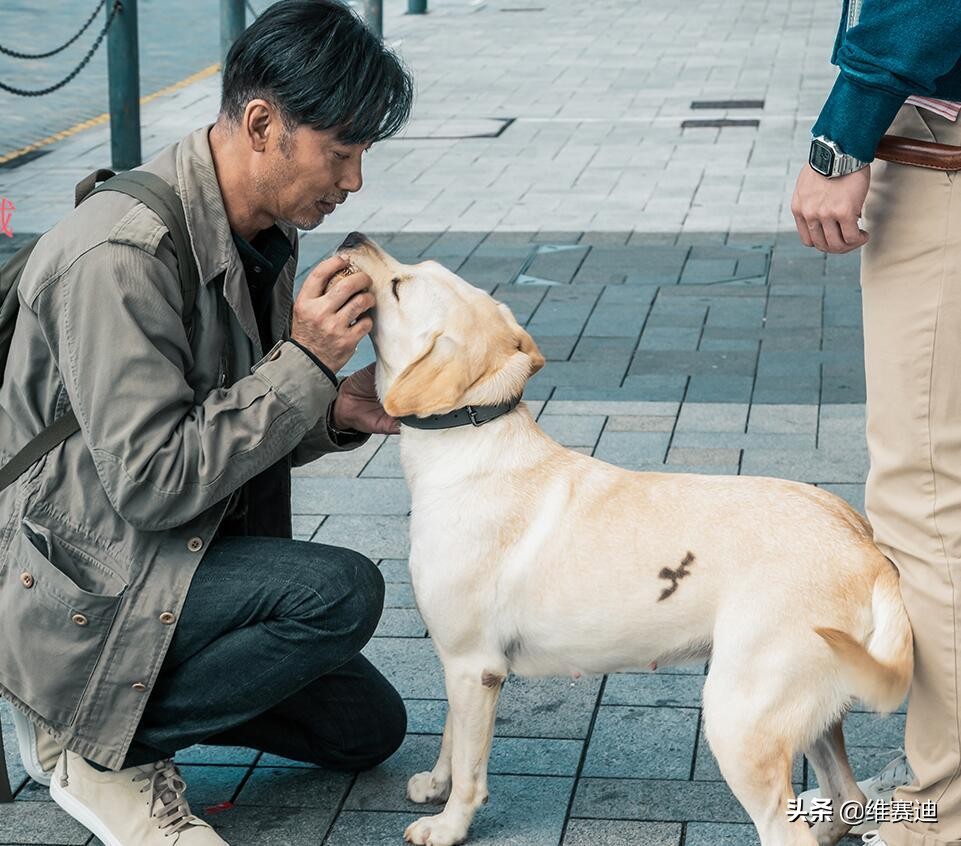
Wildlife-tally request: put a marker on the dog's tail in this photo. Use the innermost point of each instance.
(879, 673)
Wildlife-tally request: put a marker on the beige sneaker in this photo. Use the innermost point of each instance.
(138, 806)
(38, 750)
(879, 788)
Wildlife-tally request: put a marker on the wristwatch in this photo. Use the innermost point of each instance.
(828, 160)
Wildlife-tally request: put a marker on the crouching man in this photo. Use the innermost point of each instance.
(151, 596)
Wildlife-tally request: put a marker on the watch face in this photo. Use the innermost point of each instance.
(821, 158)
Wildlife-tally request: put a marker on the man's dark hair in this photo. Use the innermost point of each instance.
(320, 65)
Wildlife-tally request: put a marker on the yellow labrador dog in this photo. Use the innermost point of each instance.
(529, 558)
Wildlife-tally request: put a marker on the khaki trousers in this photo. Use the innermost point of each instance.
(911, 289)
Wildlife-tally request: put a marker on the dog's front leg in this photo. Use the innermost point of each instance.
(472, 693)
(434, 786)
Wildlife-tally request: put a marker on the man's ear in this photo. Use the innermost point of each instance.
(525, 343)
(433, 384)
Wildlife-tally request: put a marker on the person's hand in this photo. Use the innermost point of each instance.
(328, 317)
(357, 406)
(826, 211)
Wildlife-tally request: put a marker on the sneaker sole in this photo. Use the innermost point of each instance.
(28, 751)
(82, 814)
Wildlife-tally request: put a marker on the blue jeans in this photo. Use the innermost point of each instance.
(266, 655)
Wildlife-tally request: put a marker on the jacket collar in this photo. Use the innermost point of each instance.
(209, 229)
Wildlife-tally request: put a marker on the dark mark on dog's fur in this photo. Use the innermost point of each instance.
(512, 649)
(489, 679)
(675, 575)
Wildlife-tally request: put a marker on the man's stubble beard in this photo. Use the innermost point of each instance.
(271, 184)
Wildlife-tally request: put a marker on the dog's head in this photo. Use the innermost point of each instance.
(441, 343)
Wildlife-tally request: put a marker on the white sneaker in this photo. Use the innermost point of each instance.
(879, 788)
(872, 838)
(137, 806)
(38, 750)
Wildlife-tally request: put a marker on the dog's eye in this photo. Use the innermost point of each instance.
(393, 287)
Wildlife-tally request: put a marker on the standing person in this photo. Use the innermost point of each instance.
(150, 594)
(896, 61)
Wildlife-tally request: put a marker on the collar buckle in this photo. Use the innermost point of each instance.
(472, 414)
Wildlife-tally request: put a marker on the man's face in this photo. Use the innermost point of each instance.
(305, 174)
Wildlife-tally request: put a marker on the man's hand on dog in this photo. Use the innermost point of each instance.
(357, 406)
(329, 316)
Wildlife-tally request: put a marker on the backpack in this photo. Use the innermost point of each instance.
(158, 196)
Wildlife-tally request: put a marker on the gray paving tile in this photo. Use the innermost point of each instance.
(349, 496)
(386, 462)
(871, 730)
(571, 430)
(209, 785)
(375, 536)
(410, 665)
(206, 754)
(639, 423)
(783, 418)
(712, 417)
(721, 834)
(613, 407)
(41, 823)
(816, 466)
(275, 824)
(656, 800)
(704, 456)
(641, 742)
(628, 449)
(395, 570)
(401, 622)
(399, 595)
(621, 833)
(665, 688)
(295, 787)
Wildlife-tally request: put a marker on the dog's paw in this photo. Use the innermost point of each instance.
(423, 788)
(435, 831)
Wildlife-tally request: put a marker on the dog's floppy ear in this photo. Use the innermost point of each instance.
(433, 384)
(525, 343)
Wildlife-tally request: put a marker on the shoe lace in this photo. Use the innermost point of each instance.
(167, 787)
(895, 774)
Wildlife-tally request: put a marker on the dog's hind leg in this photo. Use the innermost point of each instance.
(472, 694)
(744, 728)
(434, 786)
(836, 781)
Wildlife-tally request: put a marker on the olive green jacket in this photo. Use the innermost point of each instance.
(100, 539)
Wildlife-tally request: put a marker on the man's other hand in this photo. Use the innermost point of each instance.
(826, 211)
(358, 408)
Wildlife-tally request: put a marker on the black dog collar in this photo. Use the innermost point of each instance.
(469, 415)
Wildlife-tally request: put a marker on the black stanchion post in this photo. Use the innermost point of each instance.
(416, 7)
(233, 21)
(374, 15)
(123, 68)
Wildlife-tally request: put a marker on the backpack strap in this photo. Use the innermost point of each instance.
(158, 196)
(54, 435)
(88, 183)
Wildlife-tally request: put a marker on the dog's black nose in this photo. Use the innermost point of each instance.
(355, 239)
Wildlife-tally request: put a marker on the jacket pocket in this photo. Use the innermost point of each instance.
(56, 611)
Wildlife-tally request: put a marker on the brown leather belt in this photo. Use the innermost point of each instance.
(910, 151)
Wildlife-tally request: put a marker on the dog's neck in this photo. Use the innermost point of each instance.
(468, 415)
(511, 440)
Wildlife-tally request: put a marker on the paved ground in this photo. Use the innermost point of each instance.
(685, 330)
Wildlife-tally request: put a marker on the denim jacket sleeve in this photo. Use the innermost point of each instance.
(123, 353)
(885, 53)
